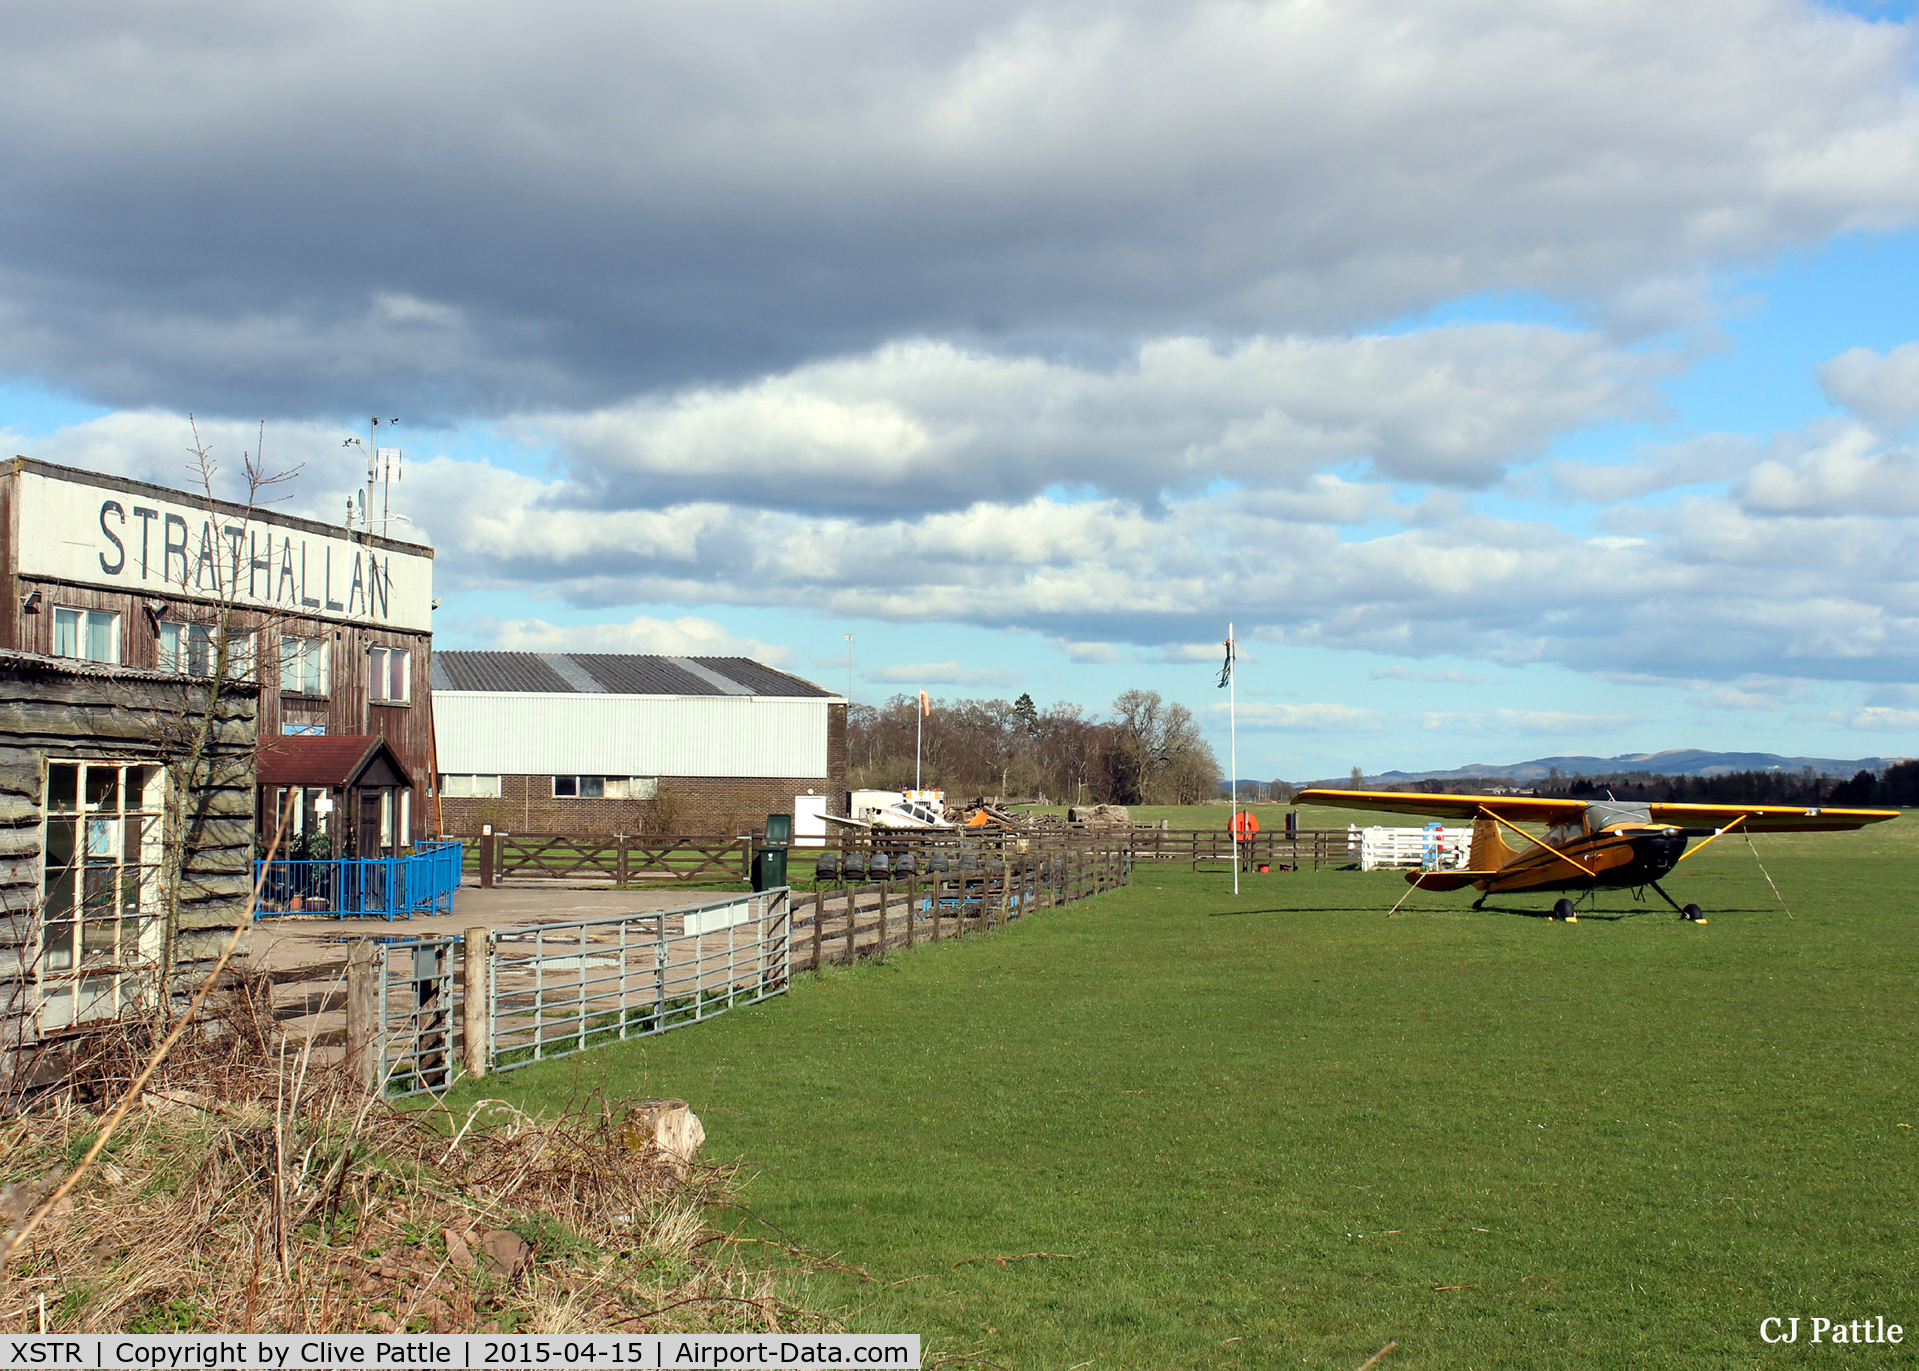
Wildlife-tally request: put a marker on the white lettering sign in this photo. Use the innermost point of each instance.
(92, 535)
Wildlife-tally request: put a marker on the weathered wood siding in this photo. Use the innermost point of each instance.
(52, 710)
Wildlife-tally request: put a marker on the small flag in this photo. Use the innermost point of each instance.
(926, 706)
(1226, 668)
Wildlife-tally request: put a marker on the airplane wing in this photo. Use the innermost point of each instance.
(1465, 808)
(1769, 818)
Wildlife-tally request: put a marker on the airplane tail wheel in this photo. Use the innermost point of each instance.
(1563, 909)
(1693, 914)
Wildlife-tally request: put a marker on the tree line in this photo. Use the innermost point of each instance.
(1148, 750)
(1898, 787)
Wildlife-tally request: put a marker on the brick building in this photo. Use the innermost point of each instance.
(333, 624)
(589, 743)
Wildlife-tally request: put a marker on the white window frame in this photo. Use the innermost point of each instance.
(462, 787)
(85, 623)
(199, 653)
(379, 675)
(297, 656)
(102, 909)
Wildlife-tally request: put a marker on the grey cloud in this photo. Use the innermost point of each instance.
(485, 209)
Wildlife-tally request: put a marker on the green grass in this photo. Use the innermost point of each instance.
(1287, 1120)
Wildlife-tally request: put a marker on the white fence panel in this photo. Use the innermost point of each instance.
(1431, 849)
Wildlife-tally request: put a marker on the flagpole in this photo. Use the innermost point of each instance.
(1232, 701)
(919, 737)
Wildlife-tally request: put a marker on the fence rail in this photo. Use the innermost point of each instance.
(626, 860)
(842, 924)
(618, 858)
(422, 882)
(556, 989)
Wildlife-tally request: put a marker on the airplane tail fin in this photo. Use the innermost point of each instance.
(1489, 850)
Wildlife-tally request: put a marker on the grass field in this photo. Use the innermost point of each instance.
(1279, 1129)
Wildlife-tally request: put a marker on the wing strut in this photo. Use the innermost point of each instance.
(1720, 833)
(1542, 843)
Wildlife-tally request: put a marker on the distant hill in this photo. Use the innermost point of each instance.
(1678, 762)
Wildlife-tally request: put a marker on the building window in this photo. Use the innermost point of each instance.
(471, 787)
(90, 634)
(387, 676)
(605, 787)
(303, 666)
(192, 650)
(303, 730)
(102, 907)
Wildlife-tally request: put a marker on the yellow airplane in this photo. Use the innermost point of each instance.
(1588, 843)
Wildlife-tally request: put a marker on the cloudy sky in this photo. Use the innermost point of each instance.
(1522, 378)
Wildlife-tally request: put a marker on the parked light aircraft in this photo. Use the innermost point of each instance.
(1588, 844)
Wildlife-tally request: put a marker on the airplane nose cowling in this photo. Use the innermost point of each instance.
(1653, 855)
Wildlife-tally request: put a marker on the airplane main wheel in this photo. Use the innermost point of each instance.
(1693, 914)
(1563, 909)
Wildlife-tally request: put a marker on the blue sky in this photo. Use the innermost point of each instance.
(1520, 383)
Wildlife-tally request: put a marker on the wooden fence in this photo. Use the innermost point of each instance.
(844, 923)
(620, 859)
(630, 860)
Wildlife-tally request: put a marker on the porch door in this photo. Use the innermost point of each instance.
(367, 836)
(373, 879)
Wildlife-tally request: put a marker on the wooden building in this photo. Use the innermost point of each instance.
(602, 743)
(335, 624)
(125, 845)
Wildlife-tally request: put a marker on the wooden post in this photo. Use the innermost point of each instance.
(852, 925)
(619, 860)
(486, 857)
(475, 1023)
(912, 907)
(363, 1047)
(819, 923)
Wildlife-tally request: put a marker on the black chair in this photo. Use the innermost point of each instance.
(827, 868)
(880, 867)
(853, 866)
(906, 864)
(939, 862)
(969, 861)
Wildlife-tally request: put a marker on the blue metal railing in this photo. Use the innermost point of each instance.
(421, 882)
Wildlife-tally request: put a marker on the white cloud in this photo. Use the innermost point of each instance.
(687, 637)
(1881, 719)
(1400, 673)
(1844, 470)
(1214, 653)
(1883, 390)
(1522, 721)
(1330, 718)
(941, 673)
(1710, 458)
(1092, 652)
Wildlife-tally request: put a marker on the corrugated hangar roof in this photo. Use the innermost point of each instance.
(585, 673)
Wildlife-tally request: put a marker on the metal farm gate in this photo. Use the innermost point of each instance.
(423, 1011)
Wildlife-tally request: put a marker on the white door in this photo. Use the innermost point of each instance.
(809, 821)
